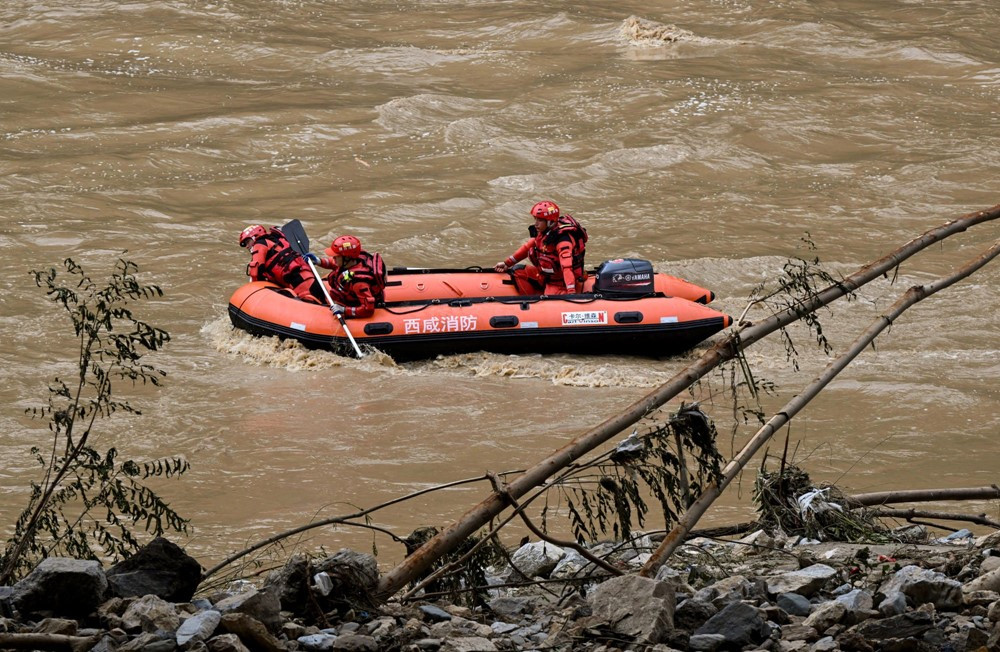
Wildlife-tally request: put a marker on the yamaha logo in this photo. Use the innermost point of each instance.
(628, 278)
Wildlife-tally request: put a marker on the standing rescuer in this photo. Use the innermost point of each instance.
(357, 281)
(273, 259)
(556, 249)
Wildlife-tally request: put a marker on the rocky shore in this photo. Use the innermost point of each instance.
(763, 592)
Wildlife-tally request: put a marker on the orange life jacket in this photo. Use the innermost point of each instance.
(544, 255)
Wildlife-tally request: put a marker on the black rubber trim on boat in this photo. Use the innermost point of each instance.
(504, 321)
(378, 328)
(629, 317)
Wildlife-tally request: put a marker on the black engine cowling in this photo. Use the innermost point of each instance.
(624, 276)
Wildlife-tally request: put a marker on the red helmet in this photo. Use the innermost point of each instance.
(250, 233)
(345, 245)
(545, 210)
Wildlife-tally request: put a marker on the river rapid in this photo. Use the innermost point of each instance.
(717, 146)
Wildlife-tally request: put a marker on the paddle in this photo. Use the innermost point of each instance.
(297, 237)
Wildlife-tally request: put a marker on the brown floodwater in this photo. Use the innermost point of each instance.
(428, 129)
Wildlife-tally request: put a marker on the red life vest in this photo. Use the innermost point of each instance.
(544, 255)
(281, 264)
(279, 257)
(368, 269)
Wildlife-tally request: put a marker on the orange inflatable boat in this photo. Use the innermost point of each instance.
(432, 312)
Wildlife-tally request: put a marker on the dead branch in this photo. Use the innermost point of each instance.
(912, 296)
(34, 641)
(449, 538)
(922, 496)
(908, 514)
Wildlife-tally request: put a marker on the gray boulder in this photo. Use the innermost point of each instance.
(61, 586)
(922, 586)
(261, 605)
(806, 582)
(740, 623)
(636, 606)
(160, 568)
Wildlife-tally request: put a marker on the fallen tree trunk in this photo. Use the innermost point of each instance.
(912, 296)
(909, 514)
(451, 537)
(922, 496)
(33, 641)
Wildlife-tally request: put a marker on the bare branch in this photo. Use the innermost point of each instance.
(699, 507)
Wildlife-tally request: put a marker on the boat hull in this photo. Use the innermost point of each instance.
(653, 325)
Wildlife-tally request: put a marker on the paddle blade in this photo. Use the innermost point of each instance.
(297, 237)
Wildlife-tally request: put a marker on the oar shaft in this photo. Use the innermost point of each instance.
(329, 300)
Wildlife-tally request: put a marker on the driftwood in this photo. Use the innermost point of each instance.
(910, 514)
(912, 296)
(922, 496)
(33, 641)
(451, 537)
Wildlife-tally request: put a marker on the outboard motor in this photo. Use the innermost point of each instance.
(624, 276)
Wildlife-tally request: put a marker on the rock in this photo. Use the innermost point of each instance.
(251, 633)
(160, 568)
(858, 604)
(983, 598)
(570, 565)
(740, 623)
(969, 639)
(826, 615)
(434, 614)
(57, 626)
(352, 576)
(290, 584)
(731, 589)
(794, 604)
(693, 613)
(262, 605)
(317, 642)
(150, 614)
(355, 643)
(226, 643)
(825, 644)
(923, 586)
(511, 607)
(903, 626)
(986, 582)
(893, 605)
(468, 644)
(753, 544)
(198, 627)
(989, 564)
(706, 642)
(64, 587)
(805, 582)
(635, 606)
(799, 632)
(536, 559)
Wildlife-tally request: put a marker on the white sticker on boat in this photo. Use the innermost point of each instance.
(581, 318)
(668, 320)
(447, 324)
(297, 326)
(529, 324)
